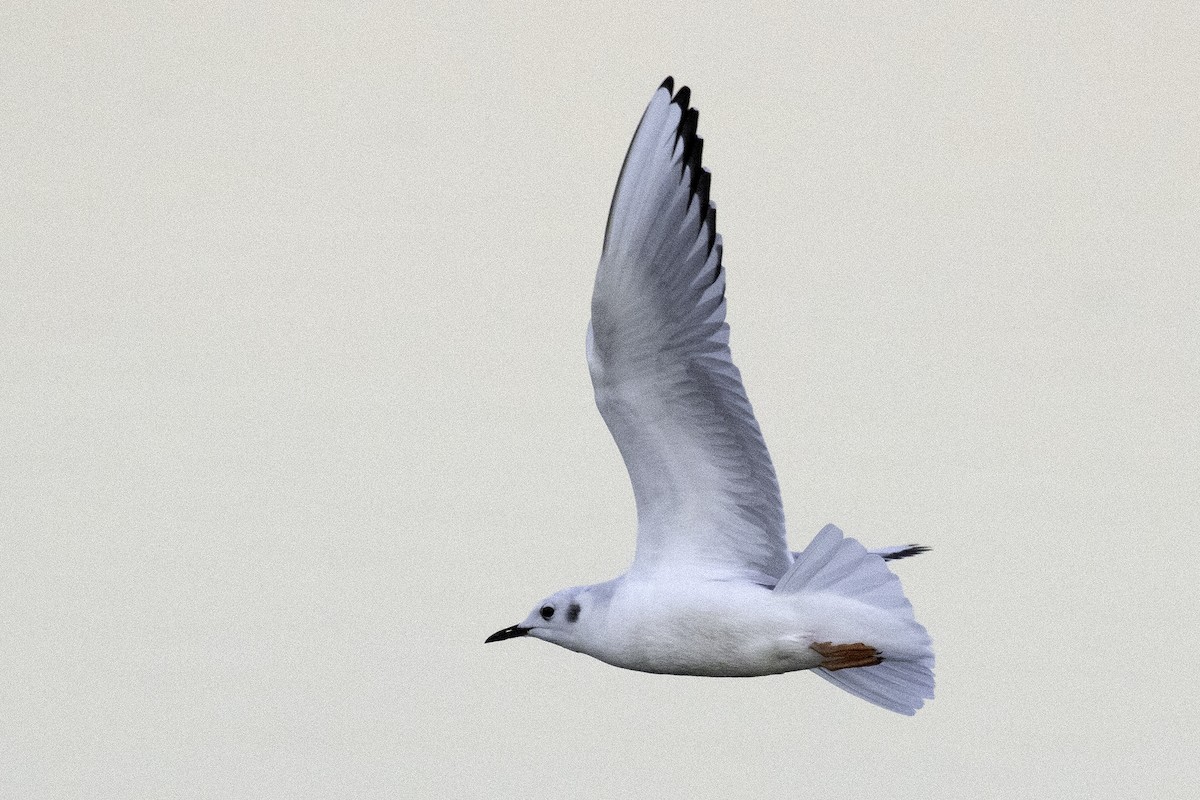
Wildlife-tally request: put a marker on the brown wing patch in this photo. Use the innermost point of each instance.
(844, 656)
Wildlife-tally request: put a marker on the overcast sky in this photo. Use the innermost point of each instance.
(294, 409)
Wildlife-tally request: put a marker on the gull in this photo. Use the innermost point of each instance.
(713, 589)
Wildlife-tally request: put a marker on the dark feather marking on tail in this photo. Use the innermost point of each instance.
(911, 550)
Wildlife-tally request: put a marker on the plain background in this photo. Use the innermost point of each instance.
(294, 411)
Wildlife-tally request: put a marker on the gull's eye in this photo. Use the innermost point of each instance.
(547, 612)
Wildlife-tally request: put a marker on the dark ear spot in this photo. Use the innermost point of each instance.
(572, 612)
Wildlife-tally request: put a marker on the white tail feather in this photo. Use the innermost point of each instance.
(900, 686)
(840, 569)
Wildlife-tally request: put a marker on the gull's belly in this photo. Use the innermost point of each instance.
(717, 631)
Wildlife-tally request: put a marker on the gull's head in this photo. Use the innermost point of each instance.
(565, 618)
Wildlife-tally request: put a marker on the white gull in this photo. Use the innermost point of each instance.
(713, 589)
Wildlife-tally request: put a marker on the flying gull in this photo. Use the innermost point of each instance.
(713, 589)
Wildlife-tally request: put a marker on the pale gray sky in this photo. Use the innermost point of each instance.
(294, 411)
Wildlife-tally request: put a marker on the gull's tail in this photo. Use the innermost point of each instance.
(859, 601)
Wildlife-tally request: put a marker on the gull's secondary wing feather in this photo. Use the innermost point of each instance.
(658, 351)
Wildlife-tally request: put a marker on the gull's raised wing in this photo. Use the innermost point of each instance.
(658, 351)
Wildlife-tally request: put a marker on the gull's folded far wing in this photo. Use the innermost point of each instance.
(658, 351)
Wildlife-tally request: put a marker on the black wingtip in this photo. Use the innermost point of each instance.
(687, 125)
(687, 132)
(668, 84)
(911, 550)
(702, 186)
(683, 97)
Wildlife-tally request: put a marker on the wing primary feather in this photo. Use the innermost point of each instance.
(687, 133)
(683, 97)
(667, 84)
(688, 123)
(701, 188)
(693, 163)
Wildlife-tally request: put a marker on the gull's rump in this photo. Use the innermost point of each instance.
(855, 598)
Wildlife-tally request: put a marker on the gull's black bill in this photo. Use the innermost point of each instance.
(507, 633)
